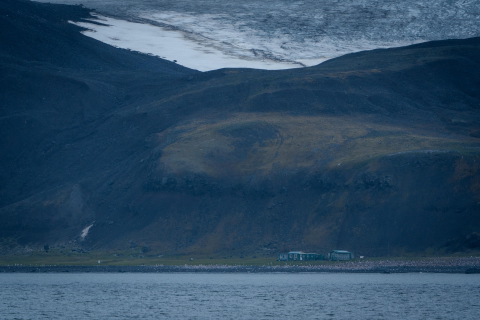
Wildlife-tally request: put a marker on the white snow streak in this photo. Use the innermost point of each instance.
(85, 232)
(196, 53)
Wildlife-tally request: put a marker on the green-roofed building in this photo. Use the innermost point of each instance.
(340, 255)
(300, 256)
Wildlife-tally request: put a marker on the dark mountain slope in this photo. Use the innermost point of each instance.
(436, 83)
(39, 32)
(371, 152)
(55, 82)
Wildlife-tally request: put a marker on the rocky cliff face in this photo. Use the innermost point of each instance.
(375, 152)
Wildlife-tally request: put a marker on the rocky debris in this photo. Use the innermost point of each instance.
(472, 270)
(472, 241)
(132, 244)
(369, 180)
(475, 133)
(469, 242)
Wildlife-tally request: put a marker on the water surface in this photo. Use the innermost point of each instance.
(239, 296)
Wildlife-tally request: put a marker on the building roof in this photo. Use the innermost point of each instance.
(341, 251)
(297, 252)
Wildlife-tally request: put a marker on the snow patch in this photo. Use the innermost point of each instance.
(208, 42)
(190, 50)
(279, 34)
(85, 231)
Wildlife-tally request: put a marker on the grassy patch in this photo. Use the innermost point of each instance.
(252, 142)
(116, 259)
(128, 259)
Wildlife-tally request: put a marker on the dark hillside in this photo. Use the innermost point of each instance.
(376, 152)
(55, 82)
(39, 32)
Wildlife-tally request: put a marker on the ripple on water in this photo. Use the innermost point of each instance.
(239, 296)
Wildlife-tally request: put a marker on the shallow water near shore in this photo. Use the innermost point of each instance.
(239, 296)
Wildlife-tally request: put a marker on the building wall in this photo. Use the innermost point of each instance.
(340, 256)
(302, 256)
(282, 257)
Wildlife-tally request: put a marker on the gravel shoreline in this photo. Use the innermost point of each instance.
(440, 265)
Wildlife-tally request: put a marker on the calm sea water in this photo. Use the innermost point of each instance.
(239, 296)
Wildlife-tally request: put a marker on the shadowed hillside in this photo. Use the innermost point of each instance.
(376, 152)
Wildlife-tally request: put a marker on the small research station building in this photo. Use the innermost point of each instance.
(300, 256)
(340, 255)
